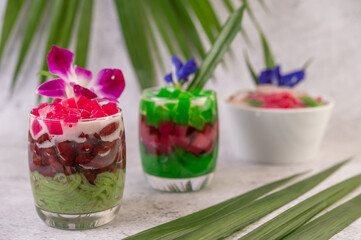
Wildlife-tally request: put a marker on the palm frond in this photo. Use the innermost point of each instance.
(329, 224)
(285, 223)
(207, 18)
(132, 22)
(238, 219)
(68, 23)
(174, 26)
(83, 36)
(187, 223)
(62, 21)
(194, 40)
(12, 10)
(268, 56)
(146, 26)
(35, 14)
(251, 69)
(219, 48)
(221, 220)
(53, 34)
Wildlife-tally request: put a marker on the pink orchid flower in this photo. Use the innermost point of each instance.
(108, 84)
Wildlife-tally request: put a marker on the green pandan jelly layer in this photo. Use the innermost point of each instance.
(192, 108)
(73, 194)
(179, 164)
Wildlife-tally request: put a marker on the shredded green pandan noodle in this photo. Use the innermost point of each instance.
(73, 194)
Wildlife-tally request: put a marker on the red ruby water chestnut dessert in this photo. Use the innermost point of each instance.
(276, 90)
(178, 133)
(77, 145)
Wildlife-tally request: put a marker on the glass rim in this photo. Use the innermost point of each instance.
(120, 113)
(152, 89)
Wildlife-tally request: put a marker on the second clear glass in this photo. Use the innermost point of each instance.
(178, 139)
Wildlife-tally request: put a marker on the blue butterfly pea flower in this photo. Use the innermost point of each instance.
(181, 71)
(168, 78)
(273, 76)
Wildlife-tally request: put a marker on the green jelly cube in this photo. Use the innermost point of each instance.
(163, 114)
(197, 92)
(150, 112)
(182, 115)
(176, 93)
(185, 95)
(170, 106)
(166, 92)
(195, 118)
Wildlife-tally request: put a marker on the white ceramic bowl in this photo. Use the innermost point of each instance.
(277, 136)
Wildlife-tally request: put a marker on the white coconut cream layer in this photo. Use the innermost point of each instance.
(71, 131)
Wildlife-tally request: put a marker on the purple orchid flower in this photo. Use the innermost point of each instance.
(181, 71)
(108, 84)
(273, 76)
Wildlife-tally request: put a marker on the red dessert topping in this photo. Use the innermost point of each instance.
(82, 101)
(54, 127)
(71, 110)
(110, 108)
(92, 105)
(36, 127)
(277, 100)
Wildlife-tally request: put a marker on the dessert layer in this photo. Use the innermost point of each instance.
(195, 108)
(179, 164)
(75, 195)
(169, 135)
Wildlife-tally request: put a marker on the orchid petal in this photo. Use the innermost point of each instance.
(168, 78)
(177, 65)
(82, 91)
(59, 62)
(188, 68)
(109, 83)
(83, 75)
(292, 79)
(53, 88)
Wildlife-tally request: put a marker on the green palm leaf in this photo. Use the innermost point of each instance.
(217, 228)
(187, 223)
(83, 35)
(291, 219)
(35, 13)
(207, 18)
(225, 218)
(330, 223)
(250, 69)
(60, 29)
(166, 9)
(181, 9)
(176, 22)
(268, 56)
(219, 48)
(132, 21)
(68, 23)
(55, 22)
(12, 10)
(228, 5)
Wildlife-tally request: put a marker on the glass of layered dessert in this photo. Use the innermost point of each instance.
(178, 133)
(77, 147)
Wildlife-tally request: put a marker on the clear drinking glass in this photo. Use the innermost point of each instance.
(77, 170)
(178, 139)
